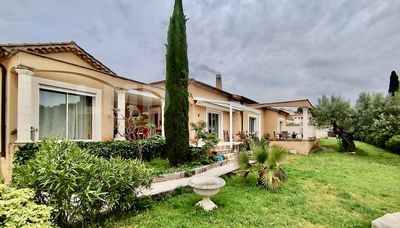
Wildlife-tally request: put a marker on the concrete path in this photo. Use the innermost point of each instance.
(168, 186)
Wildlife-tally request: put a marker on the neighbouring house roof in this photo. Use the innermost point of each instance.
(236, 97)
(304, 103)
(7, 50)
(274, 110)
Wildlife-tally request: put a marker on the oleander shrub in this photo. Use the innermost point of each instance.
(151, 148)
(393, 144)
(78, 184)
(18, 209)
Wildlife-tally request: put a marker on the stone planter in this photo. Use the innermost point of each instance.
(206, 187)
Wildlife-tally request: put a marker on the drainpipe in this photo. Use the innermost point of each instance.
(230, 126)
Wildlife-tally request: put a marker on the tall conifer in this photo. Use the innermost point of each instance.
(177, 96)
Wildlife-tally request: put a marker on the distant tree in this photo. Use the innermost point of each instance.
(338, 114)
(393, 84)
(177, 95)
(377, 118)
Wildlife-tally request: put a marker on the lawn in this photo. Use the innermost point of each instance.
(325, 189)
(161, 166)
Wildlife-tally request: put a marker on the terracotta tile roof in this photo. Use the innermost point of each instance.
(59, 47)
(240, 98)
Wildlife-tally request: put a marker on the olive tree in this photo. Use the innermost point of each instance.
(336, 113)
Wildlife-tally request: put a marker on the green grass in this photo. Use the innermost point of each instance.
(161, 166)
(326, 189)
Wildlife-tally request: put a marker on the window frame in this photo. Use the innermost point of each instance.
(68, 88)
(220, 120)
(67, 93)
(257, 122)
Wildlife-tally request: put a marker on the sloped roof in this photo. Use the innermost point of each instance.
(305, 103)
(207, 86)
(7, 50)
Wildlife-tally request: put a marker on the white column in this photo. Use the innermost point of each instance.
(24, 114)
(305, 124)
(259, 126)
(121, 102)
(162, 117)
(230, 126)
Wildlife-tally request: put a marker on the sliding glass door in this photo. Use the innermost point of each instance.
(65, 115)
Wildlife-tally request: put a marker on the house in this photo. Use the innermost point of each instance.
(59, 89)
(228, 114)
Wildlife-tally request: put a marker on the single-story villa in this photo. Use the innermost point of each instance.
(58, 89)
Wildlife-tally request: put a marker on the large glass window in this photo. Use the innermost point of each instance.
(252, 124)
(213, 123)
(65, 115)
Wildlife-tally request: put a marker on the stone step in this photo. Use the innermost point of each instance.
(222, 152)
(230, 156)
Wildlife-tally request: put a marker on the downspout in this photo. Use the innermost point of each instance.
(3, 110)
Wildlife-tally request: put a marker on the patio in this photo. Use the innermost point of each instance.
(142, 102)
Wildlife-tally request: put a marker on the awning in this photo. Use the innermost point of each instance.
(224, 105)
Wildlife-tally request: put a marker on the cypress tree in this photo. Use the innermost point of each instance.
(393, 84)
(176, 116)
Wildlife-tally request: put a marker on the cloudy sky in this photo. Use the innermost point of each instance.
(266, 50)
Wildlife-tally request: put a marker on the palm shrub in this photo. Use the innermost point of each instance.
(267, 163)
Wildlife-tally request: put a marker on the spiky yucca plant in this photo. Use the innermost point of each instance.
(267, 162)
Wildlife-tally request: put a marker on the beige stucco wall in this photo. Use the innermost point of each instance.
(61, 71)
(301, 147)
(270, 122)
(69, 57)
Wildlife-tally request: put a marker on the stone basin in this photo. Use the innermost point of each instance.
(387, 221)
(206, 187)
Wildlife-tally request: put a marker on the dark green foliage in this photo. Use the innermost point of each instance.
(78, 184)
(209, 139)
(151, 148)
(268, 164)
(25, 152)
(393, 144)
(177, 96)
(198, 155)
(377, 118)
(18, 209)
(336, 113)
(393, 84)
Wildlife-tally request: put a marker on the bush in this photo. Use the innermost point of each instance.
(203, 154)
(78, 184)
(17, 209)
(25, 152)
(151, 148)
(393, 144)
(268, 163)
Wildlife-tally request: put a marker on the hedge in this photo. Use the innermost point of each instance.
(151, 148)
(393, 144)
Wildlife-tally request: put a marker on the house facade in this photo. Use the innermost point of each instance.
(58, 89)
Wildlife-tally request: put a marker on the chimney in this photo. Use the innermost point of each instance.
(218, 81)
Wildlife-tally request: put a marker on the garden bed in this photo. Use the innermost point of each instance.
(323, 190)
(164, 172)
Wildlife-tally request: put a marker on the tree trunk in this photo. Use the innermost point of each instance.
(346, 138)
